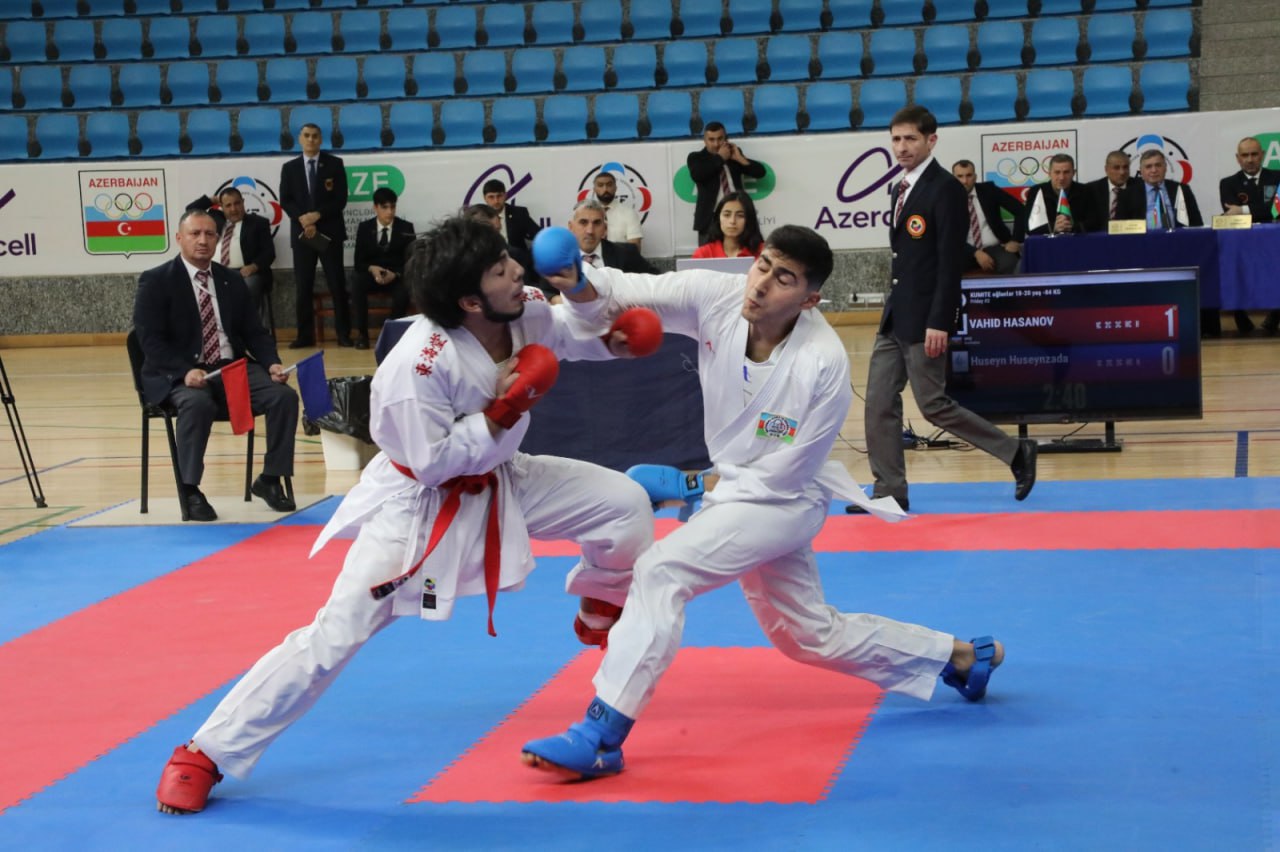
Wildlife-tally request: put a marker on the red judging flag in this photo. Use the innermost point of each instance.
(235, 383)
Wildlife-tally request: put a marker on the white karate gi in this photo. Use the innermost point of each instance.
(426, 414)
(758, 524)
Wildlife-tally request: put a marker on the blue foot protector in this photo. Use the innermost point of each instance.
(973, 685)
(591, 748)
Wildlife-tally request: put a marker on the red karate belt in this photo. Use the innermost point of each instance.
(471, 484)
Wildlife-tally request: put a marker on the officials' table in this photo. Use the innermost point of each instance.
(615, 413)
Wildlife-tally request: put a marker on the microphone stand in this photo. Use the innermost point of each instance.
(20, 438)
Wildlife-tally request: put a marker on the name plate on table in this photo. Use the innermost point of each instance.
(1230, 223)
(1127, 226)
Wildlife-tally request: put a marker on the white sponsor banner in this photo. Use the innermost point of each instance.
(838, 184)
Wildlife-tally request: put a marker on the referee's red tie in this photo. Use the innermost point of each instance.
(975, 230)
(902, 197)
(210, 350)
(224, 247)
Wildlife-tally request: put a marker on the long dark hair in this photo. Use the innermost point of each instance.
(751, 238)
(447, 263)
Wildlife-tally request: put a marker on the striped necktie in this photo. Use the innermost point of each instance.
(210, 350)
(975, 229)
(902, 197)
(224, 247)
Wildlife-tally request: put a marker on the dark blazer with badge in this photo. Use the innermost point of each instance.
(929, 255)
(1232, 189)
(1133, 202)
(330, 200)
(521, 229)
(1083, 217)
(167, 319)
(625, 256)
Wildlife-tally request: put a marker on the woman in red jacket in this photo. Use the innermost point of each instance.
(734, 231)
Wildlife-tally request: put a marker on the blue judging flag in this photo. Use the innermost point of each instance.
(314, 387)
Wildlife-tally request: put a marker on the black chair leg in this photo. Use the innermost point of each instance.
(177, 472)
(146, 456)
(248, 470)
(288, 487)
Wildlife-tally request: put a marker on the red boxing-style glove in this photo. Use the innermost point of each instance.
(643, 329)
(536, 370)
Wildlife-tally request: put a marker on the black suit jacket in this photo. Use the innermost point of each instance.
(929, 255)
(1232, 190)
(1133, 202)
(256, 244)
(521, 229)
(704, 168)
(167, 319)
(625, 256)
(330, 200)
(369, 253)
(1100, 200)
(992, 199)
(1083, 216)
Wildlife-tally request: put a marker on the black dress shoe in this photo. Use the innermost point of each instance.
(198, 508)
(362, 343)
(302, 343)
(271, 491)
(1024, 468)
(345, 342)
(855, 509)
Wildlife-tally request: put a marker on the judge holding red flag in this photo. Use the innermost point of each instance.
(206, 353)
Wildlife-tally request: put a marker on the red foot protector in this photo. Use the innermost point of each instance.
(186, 781)
(726, 725)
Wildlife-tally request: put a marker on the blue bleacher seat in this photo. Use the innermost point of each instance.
(1055, 41)
(408, 28)
(140, 85)
(102, 8)
(993, 96)
(265, 34)
(700, 18)
(6, 89)
(1049, 92)
(411, 123)
(58, 136)
(1000, 44)
(199, 7)
(553, 22)
(722, 104)
(90, 87)
(361, 126)
(648, 21)
(828, 106)
(384, 76)
(361, 30)
(188, 83)
(899, 13)
(788, 57)
(1116, 5)
(434, 74)
(946, 47)
(893, 52)
(337, 77)
(534, 69)
(170, 38)
(463, 122)
(617, 115)
(484, 72)
(879, 100)
(292, 5)
(1164, 86)
(158, 133)
(209, 131)
(953, 10)
(312, 33)
(1059, 7)
(601, 20)
(287, 79)
(1110, 38)
(685, 63)
(750, 16)
(840, 55)
(1107, 89)
(26, 41)
(122, 39)
(634, 65)
(514, 120)
(74, 40)
(41, 86)
(736, 60)
(669, 114)
(13, 137)
(584, 68)
(565, 117)
(52, 8)
(1007, 8)
(1167, 32)
(216, 35)
(798, 15)
(108, 134)
(152, 7)
(455, 27)
(259, 130)
(320, 116)
(941, 96)
(237, 81)
(504, 24)
(775, 108)
(850, 14)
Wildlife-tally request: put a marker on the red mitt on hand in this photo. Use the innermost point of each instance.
(643, 329)
(536, 370)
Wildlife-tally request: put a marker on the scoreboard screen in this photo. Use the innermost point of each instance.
(1078, 347)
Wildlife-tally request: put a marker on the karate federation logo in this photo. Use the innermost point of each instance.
(1179, 163)
(258, 197)
(916, 226)
(777, 427)
(123, 212)
(633, 190)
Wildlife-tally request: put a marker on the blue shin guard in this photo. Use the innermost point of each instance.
(663, 483)
(591, 748)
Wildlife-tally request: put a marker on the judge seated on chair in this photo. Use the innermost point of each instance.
(193, 316)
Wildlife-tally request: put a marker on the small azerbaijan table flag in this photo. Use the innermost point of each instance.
(1275, 206)
(1064, 206)
(313, 386)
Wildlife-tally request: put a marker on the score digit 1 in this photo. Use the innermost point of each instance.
(1171, 317)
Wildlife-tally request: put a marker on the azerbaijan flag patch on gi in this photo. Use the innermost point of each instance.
(776, 426)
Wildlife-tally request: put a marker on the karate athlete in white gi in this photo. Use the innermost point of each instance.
(775, 383)
(446, 411)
